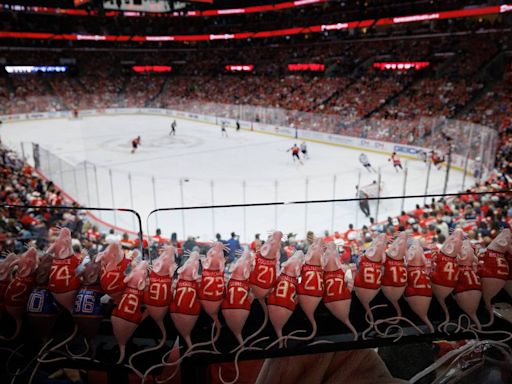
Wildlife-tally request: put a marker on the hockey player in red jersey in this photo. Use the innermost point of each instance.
(396, 161)
(135, 144)
(295, 153)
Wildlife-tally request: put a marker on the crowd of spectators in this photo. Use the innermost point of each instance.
(20, 185)
(495, 108)
(349, 90)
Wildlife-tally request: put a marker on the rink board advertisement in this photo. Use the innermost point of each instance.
(355, 143)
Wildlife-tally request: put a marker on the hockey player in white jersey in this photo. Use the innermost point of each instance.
(365, 162)
(304, 150)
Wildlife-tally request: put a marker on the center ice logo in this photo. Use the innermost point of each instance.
(152, 143)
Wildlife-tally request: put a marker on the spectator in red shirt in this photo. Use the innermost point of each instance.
(256, 243)
(404, 217)
(418, 212)
(348, 235)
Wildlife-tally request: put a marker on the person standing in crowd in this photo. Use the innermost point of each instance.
(218, 238)
(189, 244)
(256, 243)
(234, 246)
(112, 237)
(363, 201)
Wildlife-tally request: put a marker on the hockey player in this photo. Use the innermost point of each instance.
(304, 150)
(363, 159)
(223, 131)
(422, 155)
(363, 201)
(173, 129)
(396, 161)
(437, 160)
(237, 126)
(295, 153)
(135, 144)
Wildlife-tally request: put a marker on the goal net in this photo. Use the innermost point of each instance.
(373, 189)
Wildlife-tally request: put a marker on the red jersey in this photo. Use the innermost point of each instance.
(62, 275)
(158, 292)
(369, 274)
(395, 274)
(18, 291)
(493, 264)
(468, 280)
(186, 300)
(335, 287)
(284, 293)
(295, 150)
(237, 295)
(92, 235)
(112, 281)
(312, 281)
(129, 307)
(264, 273)
(446, 270)
(418, 282)
(395, 159)
(212, 285)
(347, 253)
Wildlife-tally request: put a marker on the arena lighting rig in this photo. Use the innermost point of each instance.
(240, 68)
(301, 67)
(35, 68)
(401, 65)
(480, 11)
(114, 13)
(151, 68)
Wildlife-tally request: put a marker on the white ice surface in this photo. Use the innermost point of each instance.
(200, 155)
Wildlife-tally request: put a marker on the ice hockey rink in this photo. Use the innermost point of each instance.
(199, 167)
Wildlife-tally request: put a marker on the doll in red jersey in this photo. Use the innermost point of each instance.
(128, 314)
(394, 277)
(445, 270)
(20, 287)
(212, 287)
(468, 291)
(113, 266)
(418, 292)
(494, 270)
(311, 286)
(338, 287)
(368, 279)
(63, 282)
(237, 303)
(5, 278)
(158, 293)
(264, 273)
(282, 300)
(185, 306)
